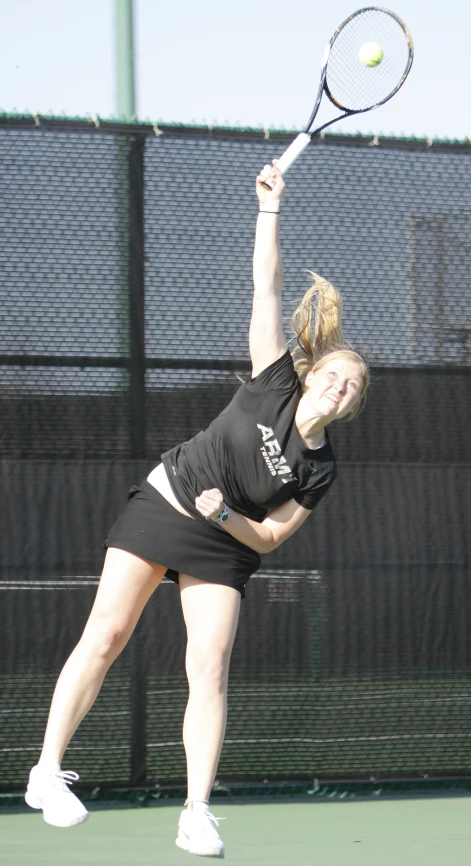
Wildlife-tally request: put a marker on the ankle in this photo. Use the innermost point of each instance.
(48, 766)
(197, 805)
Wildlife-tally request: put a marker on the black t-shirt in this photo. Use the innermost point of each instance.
(252, 452)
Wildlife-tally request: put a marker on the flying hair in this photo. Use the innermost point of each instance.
(317, 325)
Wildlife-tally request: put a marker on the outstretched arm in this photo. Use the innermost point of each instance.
(266, 338)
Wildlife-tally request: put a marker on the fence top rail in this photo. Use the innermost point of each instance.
(236, 365)
(149, 127)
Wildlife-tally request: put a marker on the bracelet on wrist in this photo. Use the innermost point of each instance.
(223, 516)
(276, 212)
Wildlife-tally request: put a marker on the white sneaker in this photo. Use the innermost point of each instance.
(48, 791)
(197, 833)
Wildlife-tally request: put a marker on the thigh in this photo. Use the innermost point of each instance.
(211, 613)
(126, 584)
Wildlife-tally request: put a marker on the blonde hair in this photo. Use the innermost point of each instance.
(317, 324)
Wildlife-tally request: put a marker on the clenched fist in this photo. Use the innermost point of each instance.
(210, 503)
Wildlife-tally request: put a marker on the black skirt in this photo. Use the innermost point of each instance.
(152, 528)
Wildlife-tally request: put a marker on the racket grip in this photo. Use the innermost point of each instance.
(291, 153)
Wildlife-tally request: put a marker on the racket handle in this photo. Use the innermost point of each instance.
(291, 153)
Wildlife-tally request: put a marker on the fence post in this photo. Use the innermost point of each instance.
(137, 406)
(138, 687)
(137, 350)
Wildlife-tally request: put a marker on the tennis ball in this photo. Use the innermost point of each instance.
(371, 54)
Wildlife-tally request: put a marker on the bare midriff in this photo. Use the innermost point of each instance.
(159, 479)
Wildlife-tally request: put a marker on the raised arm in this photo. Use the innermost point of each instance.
(266, 338)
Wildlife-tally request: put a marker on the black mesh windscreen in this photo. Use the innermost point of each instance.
(125, 278)
(390, 228)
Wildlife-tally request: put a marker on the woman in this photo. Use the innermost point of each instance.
(203, 517)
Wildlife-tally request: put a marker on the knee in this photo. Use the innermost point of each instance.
(206, 669)
(104, 638)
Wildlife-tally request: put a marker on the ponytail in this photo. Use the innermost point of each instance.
(317, 325)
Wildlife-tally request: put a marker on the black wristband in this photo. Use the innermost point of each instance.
(276, 212)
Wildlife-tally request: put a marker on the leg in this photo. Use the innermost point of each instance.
(211, 615)
(126, 585)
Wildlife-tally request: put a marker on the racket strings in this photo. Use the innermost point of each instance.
(350, 83)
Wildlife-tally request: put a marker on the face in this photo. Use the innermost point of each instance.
(335, 388)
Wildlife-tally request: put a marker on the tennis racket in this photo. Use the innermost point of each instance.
(365, 63)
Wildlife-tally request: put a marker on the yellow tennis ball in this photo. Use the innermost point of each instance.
(371, 54)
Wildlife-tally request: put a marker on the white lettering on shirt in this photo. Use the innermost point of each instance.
(266, 432)
(273, 455)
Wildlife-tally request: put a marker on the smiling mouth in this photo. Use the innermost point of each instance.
(329, 397)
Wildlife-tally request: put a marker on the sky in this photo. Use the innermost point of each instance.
(252, 63)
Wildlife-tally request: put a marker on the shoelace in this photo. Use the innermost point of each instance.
(214, 821)
(62, 778)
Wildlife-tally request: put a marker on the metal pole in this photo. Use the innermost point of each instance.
(130, 182)
(126, 99)
(137, 347)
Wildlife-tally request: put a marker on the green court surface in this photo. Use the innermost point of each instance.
(432, 830)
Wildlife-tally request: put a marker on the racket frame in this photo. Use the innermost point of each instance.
(304, 138)
(324, 88)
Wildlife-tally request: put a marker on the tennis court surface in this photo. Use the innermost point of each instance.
(357, 832)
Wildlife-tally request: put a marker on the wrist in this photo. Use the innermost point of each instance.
(270, 207)
(223, 514)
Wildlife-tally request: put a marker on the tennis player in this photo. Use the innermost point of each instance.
(204, 516)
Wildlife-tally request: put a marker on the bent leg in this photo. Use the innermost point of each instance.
(211, 613)
(126, 584)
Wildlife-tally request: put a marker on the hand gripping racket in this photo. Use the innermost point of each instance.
(365, 63)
